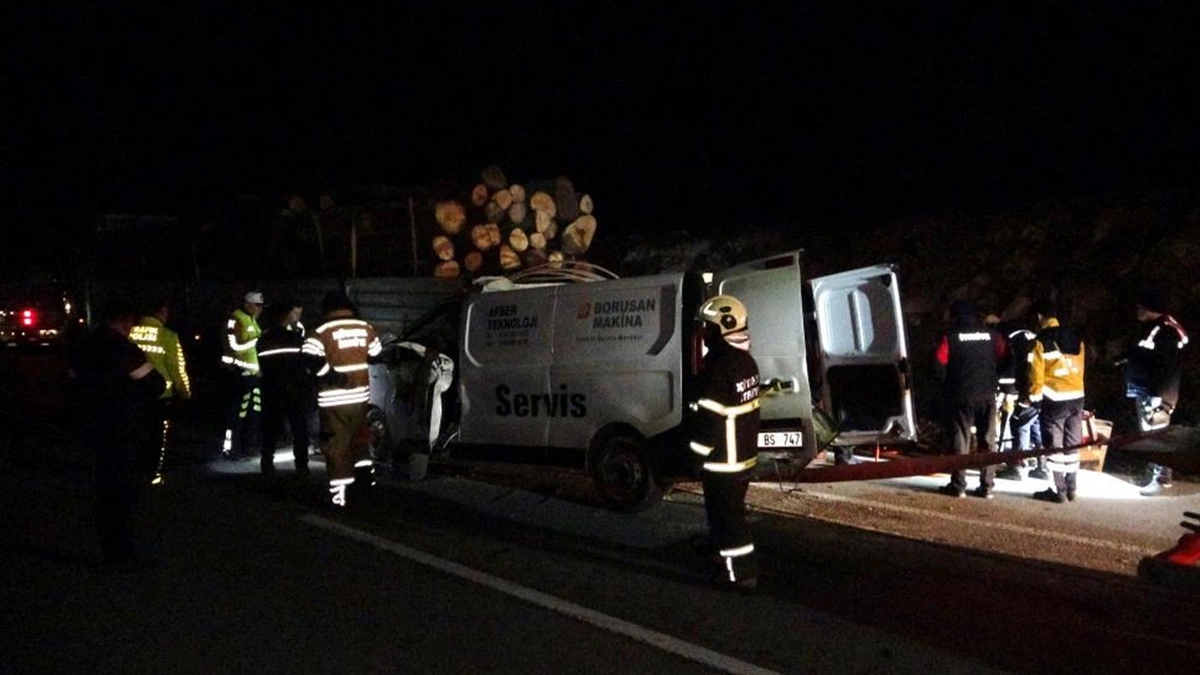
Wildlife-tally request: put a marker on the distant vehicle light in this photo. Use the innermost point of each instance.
(28, 317)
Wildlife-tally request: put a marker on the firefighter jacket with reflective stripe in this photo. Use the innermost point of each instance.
(967, 358)
(725, 415)
(241, 338)
(1153, 363)
(1056, 364)
(284, 371)
(339, 349)
(165, 353)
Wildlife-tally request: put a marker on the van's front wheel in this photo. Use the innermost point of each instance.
(623, 473)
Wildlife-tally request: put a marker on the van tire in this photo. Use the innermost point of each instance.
(623, 473)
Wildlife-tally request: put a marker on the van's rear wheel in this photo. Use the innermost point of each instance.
(623, 473)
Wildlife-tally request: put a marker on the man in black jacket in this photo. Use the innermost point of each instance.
(117, 387)
(288, 387)
(724, 436)
(1152, 373)
(966, 363)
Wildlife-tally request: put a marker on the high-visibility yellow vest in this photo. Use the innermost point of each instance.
(241, 337)
(165, 353)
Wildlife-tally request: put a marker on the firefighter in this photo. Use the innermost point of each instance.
(287, 386)
(1152, 373)
(966, 362)
(241, 360)
(724, 435)
(1056, 366)
(117, 385)
(165, 353)
(339, 350)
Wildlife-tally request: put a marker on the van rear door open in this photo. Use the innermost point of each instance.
(849, 352)
(863, 355)
(772, 291)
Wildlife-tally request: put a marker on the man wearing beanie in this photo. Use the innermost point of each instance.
(1152, 373)
(966, 363)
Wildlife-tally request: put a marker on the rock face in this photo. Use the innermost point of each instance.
(1092, 258)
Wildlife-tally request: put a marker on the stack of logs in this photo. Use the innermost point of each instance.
(503, 227)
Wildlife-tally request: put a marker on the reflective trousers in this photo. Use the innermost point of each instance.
(725, 507)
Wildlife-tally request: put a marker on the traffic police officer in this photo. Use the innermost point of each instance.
(724, 435)
(241, 358)
(165, 353)
(339, 349)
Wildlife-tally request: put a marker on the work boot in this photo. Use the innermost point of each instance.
(952, 490)
(1154, 488)
(1039, 474)
(983, 492)
(1009, 473)
(1050, 495)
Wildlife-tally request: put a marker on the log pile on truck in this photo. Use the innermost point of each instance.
(502, 227)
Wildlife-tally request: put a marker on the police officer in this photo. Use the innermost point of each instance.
(1056, 367)
(241, 359)
(164, 351)
(339, 350)
(724, 435)
(1152, 373)
(116, 387)
(287, 386)
(966, 361)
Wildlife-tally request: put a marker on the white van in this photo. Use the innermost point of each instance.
(596, 374)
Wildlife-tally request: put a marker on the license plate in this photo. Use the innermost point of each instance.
(780, 439)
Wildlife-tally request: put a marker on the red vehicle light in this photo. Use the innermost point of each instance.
(28, 317)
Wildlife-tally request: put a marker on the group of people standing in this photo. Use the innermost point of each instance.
(284, 374)
(1038, 370)
(131, 371)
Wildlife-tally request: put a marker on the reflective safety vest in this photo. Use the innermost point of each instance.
(1056, 364)
(163, 351)
(343, 344)
(241, 336)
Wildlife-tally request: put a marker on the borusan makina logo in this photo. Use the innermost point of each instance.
(617, 313)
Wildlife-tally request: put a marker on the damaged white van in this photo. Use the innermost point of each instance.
(577, 369)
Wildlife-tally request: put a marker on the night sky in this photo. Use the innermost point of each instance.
(675, 115)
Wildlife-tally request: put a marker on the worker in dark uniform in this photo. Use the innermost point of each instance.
(724, 435)
(966, 362)
(287, 386)
(1152, 374)
(340, 350)
(1056, 366)
(117, 386)
(1024, 431)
